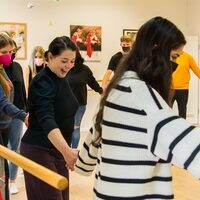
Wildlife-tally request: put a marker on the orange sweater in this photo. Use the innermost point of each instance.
(181, 77)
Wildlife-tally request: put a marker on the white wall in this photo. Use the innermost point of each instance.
(193, 16)
(112, 15)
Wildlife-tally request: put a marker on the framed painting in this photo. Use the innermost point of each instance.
(131, 33)
(18, 32)
(88, 41)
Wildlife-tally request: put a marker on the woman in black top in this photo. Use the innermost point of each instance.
(52, 107)
(79, 77)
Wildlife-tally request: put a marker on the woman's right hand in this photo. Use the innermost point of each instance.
(70, 157)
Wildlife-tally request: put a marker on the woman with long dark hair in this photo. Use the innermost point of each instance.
(136, 135)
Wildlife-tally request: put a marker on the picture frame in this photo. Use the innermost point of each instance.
(18, 32)
(130, 32)
(88, 40)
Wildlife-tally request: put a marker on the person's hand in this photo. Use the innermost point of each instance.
(70, 157)
(26, 120)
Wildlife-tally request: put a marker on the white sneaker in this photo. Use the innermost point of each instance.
(13, 188)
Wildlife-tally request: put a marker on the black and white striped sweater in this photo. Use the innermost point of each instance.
(141, 137)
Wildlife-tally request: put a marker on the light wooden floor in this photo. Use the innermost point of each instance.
(185, 186)
(80, 187)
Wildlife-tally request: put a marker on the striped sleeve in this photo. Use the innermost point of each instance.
(174, 140)
(87, 157)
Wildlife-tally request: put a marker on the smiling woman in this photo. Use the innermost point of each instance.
(61, 64)
(51, 119)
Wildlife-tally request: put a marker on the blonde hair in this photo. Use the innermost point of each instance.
(36, 49)
(5, 40)
(126, 38)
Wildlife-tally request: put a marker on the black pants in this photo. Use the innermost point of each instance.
(181, 97)
(52, 159)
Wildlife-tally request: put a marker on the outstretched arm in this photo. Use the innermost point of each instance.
(10, 109)
(87, 158)
(106, 79)
(174, 140)
(93, 83)
(69, 154)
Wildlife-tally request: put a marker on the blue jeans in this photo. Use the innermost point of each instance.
(77, 122)
(15, 130)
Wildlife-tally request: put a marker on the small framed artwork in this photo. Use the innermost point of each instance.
(131, 33)
(88, 41)
(17, 31)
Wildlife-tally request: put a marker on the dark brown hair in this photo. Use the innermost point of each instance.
(150, 59)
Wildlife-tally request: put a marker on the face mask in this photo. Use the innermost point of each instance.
(173, 65)
(38, 61)
(126, 49)
(13, 56)
(5, 59)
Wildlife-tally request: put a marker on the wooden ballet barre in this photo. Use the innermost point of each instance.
(57, 181)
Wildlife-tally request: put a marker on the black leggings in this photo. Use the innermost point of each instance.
(181, 97)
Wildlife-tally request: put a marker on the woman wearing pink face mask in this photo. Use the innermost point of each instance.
(37, 62)
(7, 109)
(15, 129)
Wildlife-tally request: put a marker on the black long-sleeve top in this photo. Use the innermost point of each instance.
(15, 74)
(51, 105)
(79, 79)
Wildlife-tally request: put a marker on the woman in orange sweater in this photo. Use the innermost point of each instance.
(181, 79)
